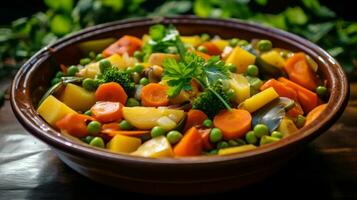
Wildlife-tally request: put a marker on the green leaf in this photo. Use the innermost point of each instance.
(315, 7)
(315, 32)
(60, 24)
(60, 5)
(261, 2)
(277, 21)
(296, 15)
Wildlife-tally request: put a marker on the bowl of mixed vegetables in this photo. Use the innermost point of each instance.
(181, 103)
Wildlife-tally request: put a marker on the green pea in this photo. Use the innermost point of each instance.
(85, 61)
(321, 91)
(277, 134)
(59, 74)
(207, 123)
(94, 127)
(125, 125)
(222, 145)
(97, 142)
(202, 49)
(72, 70)
(173, 136)
(138, 55)
(55, 81)
(90, 84)
(144, 81)
(99, 57)
(233, 42)
(215, 135)
(231, 67)
(87, 139)
(157, 131)
(104, 64)
(251, 138)
(268, 139)
(243, 43)
(205, 37)
(91, 55)
(300, 121)
(88, 112)
(252, 70)
(264, 45)
(131, 102)
(260, 130)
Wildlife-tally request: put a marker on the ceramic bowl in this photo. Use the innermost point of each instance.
(194, 175)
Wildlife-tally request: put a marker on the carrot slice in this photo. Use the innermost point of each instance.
(307, 99)
(300, 72)
(282, 89)
(154, 94)
(234, 123)
(75, 124)
(313, 114)
(126, 44)
(111, 91)
(112, 133)
(212, 49)
(190, 145)
(106, 111)
(194, 117)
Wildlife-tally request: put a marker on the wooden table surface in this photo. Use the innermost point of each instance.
(326, 169)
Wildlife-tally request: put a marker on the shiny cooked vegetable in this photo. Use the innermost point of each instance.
(167, 95)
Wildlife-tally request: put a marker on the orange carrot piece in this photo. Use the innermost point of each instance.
(212, 49)
(313, 114)
(203, 55)
(126, 44)
(300, 72)
(194, 117)
(107, 111)
(154, 94)
(282, 89)
(234, 123)
(207, 145)
(75, 124)
(134, 133)
(307, 99)
(111, 91)
(190, 145)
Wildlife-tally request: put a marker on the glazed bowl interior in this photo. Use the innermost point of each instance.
(33, 80)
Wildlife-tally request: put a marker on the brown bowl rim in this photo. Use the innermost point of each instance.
(21, 100)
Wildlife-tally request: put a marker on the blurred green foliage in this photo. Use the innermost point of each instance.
(311, 20)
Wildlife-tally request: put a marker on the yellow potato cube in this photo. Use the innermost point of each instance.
(123, 144)
(158, 58)
(274, 58)
(52, 110)
(221, 44)
(238, 149)
(259, 100)
(77, 97)
(155, 148)
(241, 59)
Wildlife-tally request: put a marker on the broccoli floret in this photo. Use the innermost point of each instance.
(120, 76)
(209, 103)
